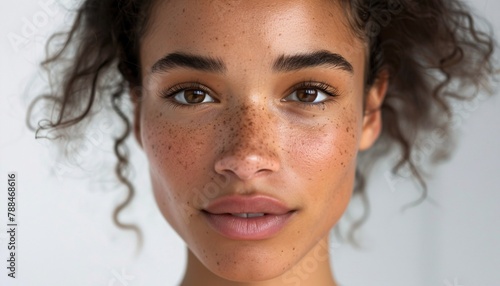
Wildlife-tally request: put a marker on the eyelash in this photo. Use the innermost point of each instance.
(168, 94)
(332, 92)
(329, 90)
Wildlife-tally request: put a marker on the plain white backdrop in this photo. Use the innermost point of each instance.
(66, 236)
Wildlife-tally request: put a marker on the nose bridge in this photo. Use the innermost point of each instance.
(250, 130)
(249, 146)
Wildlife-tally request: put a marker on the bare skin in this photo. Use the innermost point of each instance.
(253, 127)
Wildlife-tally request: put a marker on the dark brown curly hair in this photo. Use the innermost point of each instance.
(432, 49)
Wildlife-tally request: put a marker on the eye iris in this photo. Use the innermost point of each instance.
(194, 96)
(307, 95)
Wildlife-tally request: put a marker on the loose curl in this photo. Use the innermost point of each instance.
(431, 50)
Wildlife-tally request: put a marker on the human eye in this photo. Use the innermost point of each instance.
(312, 93)
(187, 95)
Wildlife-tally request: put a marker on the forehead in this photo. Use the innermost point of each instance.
(248, 29)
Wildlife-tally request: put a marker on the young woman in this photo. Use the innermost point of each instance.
(260, 119)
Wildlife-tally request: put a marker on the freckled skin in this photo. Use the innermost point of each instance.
(250, 141)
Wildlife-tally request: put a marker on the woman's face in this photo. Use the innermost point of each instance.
(252, 107)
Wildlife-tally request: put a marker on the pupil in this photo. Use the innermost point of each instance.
(194, 96)
(307, 95)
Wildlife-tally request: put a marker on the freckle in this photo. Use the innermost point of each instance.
(347, 129)
(218, 263)
(293, 248)
(169, 147)
(183, 10)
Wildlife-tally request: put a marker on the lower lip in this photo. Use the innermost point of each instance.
(254, 228)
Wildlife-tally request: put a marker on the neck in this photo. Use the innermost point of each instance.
(313, 269)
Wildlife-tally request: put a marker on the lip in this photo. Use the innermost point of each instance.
(218, 215)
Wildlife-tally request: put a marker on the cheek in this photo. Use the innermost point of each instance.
(175, 152)
(179, 161)
(328, 150)
(324, 158)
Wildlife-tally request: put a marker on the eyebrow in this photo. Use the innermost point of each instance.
(283, 63)
(308, 60)
(183, 60)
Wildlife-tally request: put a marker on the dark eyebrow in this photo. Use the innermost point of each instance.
(183, 60)
(319, 58)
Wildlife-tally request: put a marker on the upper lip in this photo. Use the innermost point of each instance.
(247, 204)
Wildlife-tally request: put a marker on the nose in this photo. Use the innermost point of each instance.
(249, 145)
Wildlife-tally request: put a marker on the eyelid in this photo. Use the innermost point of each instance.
(170, 92)
(322, 86)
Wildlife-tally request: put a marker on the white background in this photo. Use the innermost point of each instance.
(66, 237)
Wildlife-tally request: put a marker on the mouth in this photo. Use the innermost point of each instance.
(248, 215)
(247, 218)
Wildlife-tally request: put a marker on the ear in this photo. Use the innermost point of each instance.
(135, 96)
(372, 119)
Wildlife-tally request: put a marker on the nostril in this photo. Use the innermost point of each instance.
(245, 167)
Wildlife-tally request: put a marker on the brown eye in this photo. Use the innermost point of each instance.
(307, 94)
(192, 96)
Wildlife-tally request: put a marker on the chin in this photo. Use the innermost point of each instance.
(247, 261)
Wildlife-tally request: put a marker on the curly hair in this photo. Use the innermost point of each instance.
(433, 51)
